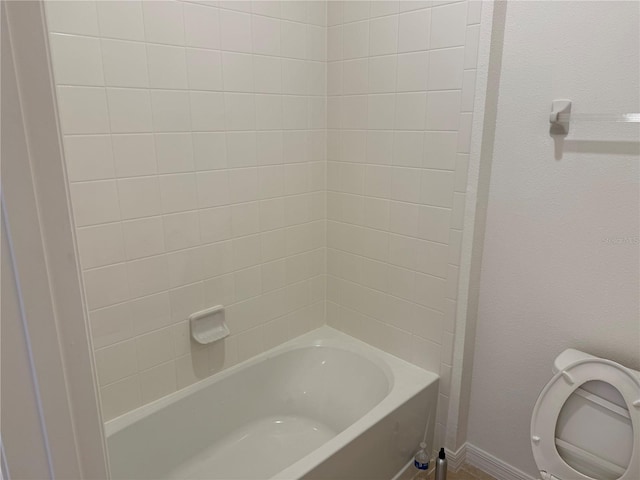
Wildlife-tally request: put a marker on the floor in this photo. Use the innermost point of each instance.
(466, 472)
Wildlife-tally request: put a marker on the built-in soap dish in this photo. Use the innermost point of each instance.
(208, 326)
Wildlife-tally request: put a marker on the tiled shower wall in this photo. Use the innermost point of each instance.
(400, 85)
(202, 173)
(194, 135)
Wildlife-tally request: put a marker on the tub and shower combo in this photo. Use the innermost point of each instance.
(321, 406)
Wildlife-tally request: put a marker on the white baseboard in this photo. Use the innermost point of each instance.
(492, 465)
(455, 460)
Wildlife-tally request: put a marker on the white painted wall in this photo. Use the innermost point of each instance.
(560, 262)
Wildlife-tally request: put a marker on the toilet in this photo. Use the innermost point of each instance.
(586, 422)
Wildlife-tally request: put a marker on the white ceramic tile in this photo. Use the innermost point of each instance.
(448, 25)
(445, 69)
(437, 188)
(268, 74)
(151, 312)
(383, 36)
(334, 43)
(207, 112)
(334, 13)
(88, 157)
(116, 362)
(154, 348)
(134, 155)
(181, 230)
(209, 150)
(106, 286)
(139, 197)
(433, 223)
(355, 37)
(239, 5)
(121, 19)
(201, 26)
(204, 69)
(294, 76)
(248, 283)
(170, 111)
(215, 224)
(471, 46)
(405, 184)
(111, 325)
(83, 110)
(266, 35)
(380, 111)
(414, 28)
(268, 112)
(269, 148)
(412, 71)
(178, 192)
(158, 382)
(174, 152)
(241, 149)
(76, 60)
(167, 66)
(129, 110)
(213, 188)
(72, 17)
(239, 111)
(468, 91)
(95, 202)
(148, 275)
(440, 150)
(382, 74)
(293, 39)
(191, 368)
(380, 147)
(317, 12)
(474, 12)
(443, 110)
(270, 8)
(163, 22)
(100, 245)
(235, 31)
(410, 111)
(238, 72)
(316, 43)
(354, 11)
(243, 184)
(125, 63)
(408, 149)
(143, 237)
(355, 76)
(120, 397)
(294, 112)
(408, 5)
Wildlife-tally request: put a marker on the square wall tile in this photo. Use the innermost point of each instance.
(121, 19)
(125, 63)
(76, 60)
(163, 22)
(83, 110)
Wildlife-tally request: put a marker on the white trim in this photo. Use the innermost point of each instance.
(493, 465)
(35, 191)
(484, 111)
(456, 459)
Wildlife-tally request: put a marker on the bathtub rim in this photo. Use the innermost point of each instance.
(405, 380)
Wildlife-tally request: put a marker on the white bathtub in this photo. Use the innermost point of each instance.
(322, 406)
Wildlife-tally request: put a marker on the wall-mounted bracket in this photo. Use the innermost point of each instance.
(559, 117)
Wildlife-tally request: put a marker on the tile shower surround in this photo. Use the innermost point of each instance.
(284, 159)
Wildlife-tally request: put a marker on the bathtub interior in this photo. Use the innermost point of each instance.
(291, 402)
